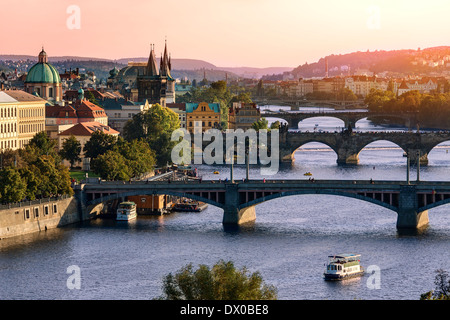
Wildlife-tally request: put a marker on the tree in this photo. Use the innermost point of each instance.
(111, 166)
(222, 282)
(140, 158)
(155, 126)
(442, 289)
(377, 100)
(43, 143)
(98, 144)
(90, 97)
(275, 125)
(260, 124)
(12, 186)
(71, 149)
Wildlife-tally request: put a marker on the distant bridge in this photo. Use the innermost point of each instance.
(349, 117)
(238, 200)
(348, 145)
(295, 103)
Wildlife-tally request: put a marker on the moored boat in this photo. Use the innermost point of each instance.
(126, 211)
(343, 266)
(189, 206)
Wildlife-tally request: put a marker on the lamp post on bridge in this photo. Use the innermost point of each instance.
(418, 165)
(407, 166)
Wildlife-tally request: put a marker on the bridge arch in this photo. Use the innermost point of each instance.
(325, 143)
(321, 120)
(322, 192)
(118, 195)
(443, 143)
(320, 145)
(398, 157)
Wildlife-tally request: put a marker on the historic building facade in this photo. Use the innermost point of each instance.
(44, 80)
(22, 115)
(154, 86)
(243, 115)
(202, 116)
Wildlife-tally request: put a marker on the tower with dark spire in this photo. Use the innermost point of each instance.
(154, 86)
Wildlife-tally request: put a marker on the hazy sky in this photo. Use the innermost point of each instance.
(228, 33)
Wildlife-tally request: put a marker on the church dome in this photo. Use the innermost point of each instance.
(43, 72)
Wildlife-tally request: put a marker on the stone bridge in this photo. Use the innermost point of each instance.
(295, 103)
(349, 117)
(238, 199)
(348, 145)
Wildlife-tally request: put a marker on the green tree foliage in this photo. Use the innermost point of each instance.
(376, 99)
(43, 145)
(34, 171)
(260, 124)
(98, 144)
(222, 282)
(155, 126)
(12, 186)
(275, 125)
(139, 157)
(433, 110)
(71, 150)
(90, 97)
(111, 166)
(345, 94)
(442, 287)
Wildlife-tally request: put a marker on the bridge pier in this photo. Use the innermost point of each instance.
(235, 216)
(408, 216)
(351, 159)
(232, 215)
(414, 154)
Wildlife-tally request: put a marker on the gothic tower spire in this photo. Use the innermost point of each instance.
(151, 69)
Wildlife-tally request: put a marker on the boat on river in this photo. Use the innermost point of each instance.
(126, 211)
(192, 206)
(343, 266)
(307, 174)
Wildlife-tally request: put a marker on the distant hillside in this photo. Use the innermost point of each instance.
(256, 73)
(194, 64)
(177, 64)
(395, 61)
(189, 68)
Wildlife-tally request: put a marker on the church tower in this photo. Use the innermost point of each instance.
(153, 86)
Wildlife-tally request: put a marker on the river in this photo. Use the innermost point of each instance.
(288, 244)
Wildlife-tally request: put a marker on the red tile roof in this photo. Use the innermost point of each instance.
(87, 128)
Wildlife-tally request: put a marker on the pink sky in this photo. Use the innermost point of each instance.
(227, 33)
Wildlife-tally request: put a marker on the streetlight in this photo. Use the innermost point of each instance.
(418, 165)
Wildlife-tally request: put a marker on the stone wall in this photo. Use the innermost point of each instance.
(37, 216)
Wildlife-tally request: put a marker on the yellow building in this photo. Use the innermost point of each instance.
(22, 115)
(202, 116)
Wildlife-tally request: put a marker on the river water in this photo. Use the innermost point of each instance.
(288, 244)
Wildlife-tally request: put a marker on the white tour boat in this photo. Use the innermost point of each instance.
(343, 266)
(126, 211)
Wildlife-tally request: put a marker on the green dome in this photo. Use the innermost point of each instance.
(43, 72)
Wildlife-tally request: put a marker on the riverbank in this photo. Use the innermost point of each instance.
(38, 215)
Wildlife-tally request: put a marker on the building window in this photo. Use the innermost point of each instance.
(46, 210)
(55, 208)
(36, 212)
(27, 214)
(50, 92)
